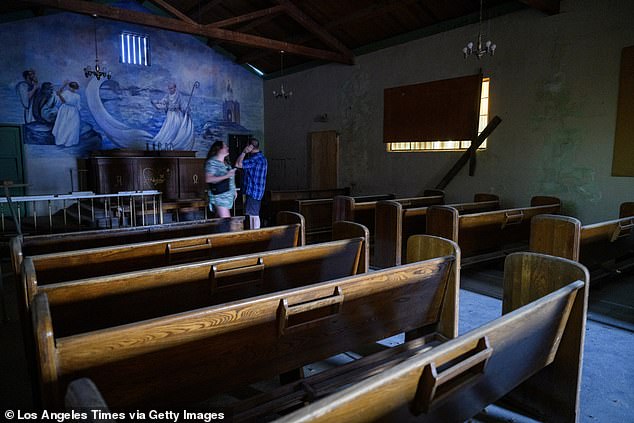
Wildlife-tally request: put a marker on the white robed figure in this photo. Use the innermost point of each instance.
(67, 124)
(177, 131)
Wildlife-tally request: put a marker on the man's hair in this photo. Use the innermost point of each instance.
(27, 72)
(255, 143)
(74, 85)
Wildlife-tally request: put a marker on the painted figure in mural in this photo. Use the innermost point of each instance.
(255, 167)
(217, 172)
(26, 90)
(178, 129)
(45, 104)
(68, 123)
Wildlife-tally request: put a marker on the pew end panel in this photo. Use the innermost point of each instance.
(626, 209)
(388, 238)
(555, 235)
(529, 277)
(425, 247)
(345, 230)
(290, 218)
(258, 338)
(544, 200)
(442, 221)
(456, 380)
(15, 251)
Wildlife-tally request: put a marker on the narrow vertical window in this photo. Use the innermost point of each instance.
(135, 49)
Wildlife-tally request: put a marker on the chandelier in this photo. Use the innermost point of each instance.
(479, 49)
(98, 72)
(284, 93)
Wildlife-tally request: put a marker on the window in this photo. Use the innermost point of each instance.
(449, 145)
(135, 49)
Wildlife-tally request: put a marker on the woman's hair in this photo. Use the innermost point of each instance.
(215, 148)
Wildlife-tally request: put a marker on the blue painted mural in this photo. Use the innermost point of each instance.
(189, 95)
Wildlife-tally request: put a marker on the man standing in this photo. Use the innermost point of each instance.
(254, 167)
(26, 90)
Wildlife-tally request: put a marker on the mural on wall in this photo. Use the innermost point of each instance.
(184, 100)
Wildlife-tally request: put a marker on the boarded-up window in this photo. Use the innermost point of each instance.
(444, 110)
(623, 158)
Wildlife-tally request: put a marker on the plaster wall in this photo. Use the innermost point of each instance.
(554, 84)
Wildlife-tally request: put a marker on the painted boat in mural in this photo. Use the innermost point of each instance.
(124, 136)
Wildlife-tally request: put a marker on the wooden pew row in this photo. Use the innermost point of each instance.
(346, 208)
(395, 223)
(488, 235)
(28, 245)
(80, 264)
(257, 266)
(186, 357)
(88, 304)
(605, 248)
(318, 214)
(277, 201)
(531, 358)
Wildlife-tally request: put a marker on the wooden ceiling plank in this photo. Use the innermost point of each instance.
(174, 11)
(308, 23)
(550, 7)
(269, 12)
(172, 24)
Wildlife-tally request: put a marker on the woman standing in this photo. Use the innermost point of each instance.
(67, 123)
(217, 171)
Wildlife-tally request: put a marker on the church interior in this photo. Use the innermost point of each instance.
(440, 226)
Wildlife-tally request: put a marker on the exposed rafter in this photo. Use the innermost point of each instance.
(550, 7)
(312, 26)
(171, 24)
(364, 13)
(171, 9)
(271, 11)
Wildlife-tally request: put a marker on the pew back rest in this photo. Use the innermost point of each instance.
(593, 244)
(23, 246)
(456, 380)
(187, 356)
(80, 264)
(486, 231)
(87, 304)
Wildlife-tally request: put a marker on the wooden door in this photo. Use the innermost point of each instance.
(11, 157)
(323, 159)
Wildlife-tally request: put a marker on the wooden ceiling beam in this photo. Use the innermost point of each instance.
(171, 24)
(366, 12)
(171, 9)
(312, 26)
(269, 12)
(550, 7)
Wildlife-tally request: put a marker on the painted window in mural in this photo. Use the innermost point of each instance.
(450, 145)
(135, 49)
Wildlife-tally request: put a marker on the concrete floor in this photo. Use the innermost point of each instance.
(607, 393)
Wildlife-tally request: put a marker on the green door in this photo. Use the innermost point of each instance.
(11, 168)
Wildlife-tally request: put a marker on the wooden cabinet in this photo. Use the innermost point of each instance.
(175, 176)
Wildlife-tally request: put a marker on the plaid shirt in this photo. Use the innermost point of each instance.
(255, 175)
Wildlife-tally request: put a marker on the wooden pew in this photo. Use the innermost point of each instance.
(89, 304)
(318, 214)
(277, 201)
(79, 264)
(488, 235)
(605, 248)
(531, 358)
(28, 245)
(186, 357)
(395, 223)
(347, 208)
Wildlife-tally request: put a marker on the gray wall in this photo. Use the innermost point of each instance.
(554, 83)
